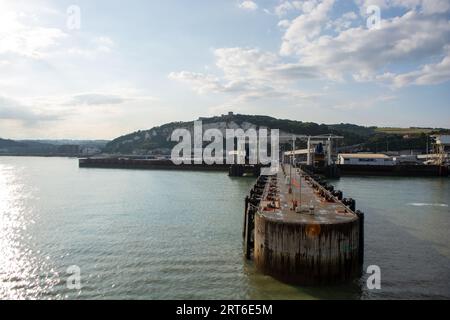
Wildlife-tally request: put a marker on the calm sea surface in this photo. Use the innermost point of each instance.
(177, 235)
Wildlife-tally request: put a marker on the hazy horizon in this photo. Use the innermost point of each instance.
(102, 69)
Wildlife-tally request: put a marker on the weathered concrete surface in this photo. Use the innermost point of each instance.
(307, 249)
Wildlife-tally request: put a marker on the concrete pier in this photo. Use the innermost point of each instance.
(303, 233)
(147, 164)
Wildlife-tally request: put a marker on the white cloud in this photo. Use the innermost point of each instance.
(350, 52)
(200, 82)
(93, 48)
(40, 109)
(41, 61)
(433, 73)
(424, 6)
(435, 6)
(286, 7)
(248, 5)
(17, 37)
(90, 99)
(23, 34)
(112, 97)
(306, 27)
(104, 44)
(13, 109)
(284, 24)
(309, 5)
(342, 23)
(361, 53)
(249, 74)
(283, 8)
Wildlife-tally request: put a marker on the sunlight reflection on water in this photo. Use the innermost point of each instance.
(22, 274)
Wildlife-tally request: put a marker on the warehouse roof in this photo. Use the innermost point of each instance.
(364, 155)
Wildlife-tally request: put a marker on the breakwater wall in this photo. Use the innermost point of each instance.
(309, 236)
(147, 164)
(396, 170)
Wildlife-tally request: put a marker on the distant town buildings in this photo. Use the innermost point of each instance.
(89, 151)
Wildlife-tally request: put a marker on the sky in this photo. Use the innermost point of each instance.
(98, 69)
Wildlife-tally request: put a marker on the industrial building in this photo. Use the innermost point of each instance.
(372, 159)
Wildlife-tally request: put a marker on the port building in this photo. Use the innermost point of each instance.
(372, 159)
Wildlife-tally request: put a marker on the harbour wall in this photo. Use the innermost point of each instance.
(118, 163)
(307, 254)
(395, 170)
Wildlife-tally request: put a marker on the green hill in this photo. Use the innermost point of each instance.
(157, 139)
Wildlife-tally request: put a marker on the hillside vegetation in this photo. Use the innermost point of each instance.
(372, 139)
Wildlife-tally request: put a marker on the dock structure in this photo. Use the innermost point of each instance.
(147, 164)
(235, 170)
(301, 231)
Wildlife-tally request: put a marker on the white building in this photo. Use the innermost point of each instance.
(372, 159)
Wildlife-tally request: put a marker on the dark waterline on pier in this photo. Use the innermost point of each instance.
(167, 234)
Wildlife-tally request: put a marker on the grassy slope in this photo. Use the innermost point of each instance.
(405, 131)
